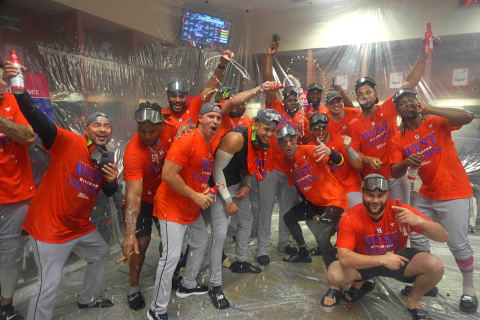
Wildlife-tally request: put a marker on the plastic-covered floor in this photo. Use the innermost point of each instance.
(282, 291)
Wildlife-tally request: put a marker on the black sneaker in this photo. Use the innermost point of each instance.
(100, 303)
(136, 301)
(244, 267)
(183, 292)
(316, 251)
(152, 315)
(218, 299)
(8, 312)
(468, 303)
(290, 249)
(263, 260)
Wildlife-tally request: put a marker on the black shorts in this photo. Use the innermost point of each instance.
(382, 271)
(144, 220)
(306, 210)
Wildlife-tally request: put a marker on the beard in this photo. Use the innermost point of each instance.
(374, 211)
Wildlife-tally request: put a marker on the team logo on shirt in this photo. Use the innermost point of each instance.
(378, 244)
(85, 179)
(376, 137)
(379, 230)
(426, 146)
(203, 175)
(303, 176)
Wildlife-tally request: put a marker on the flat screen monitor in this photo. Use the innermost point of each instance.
(200, 28)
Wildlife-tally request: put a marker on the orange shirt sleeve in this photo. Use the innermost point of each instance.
(346, 233)
(62, 140)
(133, 167)
(396, 155)
(181, 150)
(390, 108)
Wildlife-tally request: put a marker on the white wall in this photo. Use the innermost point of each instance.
(325, 23)
(354, 22)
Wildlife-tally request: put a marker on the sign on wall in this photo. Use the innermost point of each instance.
(460, 77)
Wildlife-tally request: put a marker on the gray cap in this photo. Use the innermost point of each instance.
(211, 107)
(332, 95)
(268, 116)
(97, 115)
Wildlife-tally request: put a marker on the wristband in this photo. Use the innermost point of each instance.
(221, 67)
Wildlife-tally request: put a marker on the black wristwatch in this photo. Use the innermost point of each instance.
(221, 67)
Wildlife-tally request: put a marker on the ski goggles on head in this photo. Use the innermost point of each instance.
(374, 182)
(318, 119)
(285, 132)
(365, 80)
(288, 91)
(148, 114)
(268, 116)
(402, 93)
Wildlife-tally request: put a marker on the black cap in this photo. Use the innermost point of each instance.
(365, 80)
(177, 86)
(318, 119)
(332, 95)
(289, 90)
(314, 86)
(404, 92)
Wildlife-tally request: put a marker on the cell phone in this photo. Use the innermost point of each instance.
(107, 157)
(275, 38)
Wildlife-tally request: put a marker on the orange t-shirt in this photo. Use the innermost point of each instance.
(346, 175)
(145, 163)
(443, 176)
(336, 128)
(299, 121)
(60, 210)
(189, 114)
(16, 179)
(309, 111)
(244, 121)
(358, 232)
(372, 136)
(196, 157)
(314, 179)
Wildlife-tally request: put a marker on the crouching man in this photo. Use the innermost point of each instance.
(371, 242)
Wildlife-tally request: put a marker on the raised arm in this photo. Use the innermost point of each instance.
(268, 76)
(41, 124)
(455, 117)
(242, 97)
(215, 80)
(416, 74)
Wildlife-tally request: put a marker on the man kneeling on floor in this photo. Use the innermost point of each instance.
(372, 238)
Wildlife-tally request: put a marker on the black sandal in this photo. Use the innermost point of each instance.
(431, 293)
(333, 294)
(356, 294)
(468, 303)
(419, 314)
